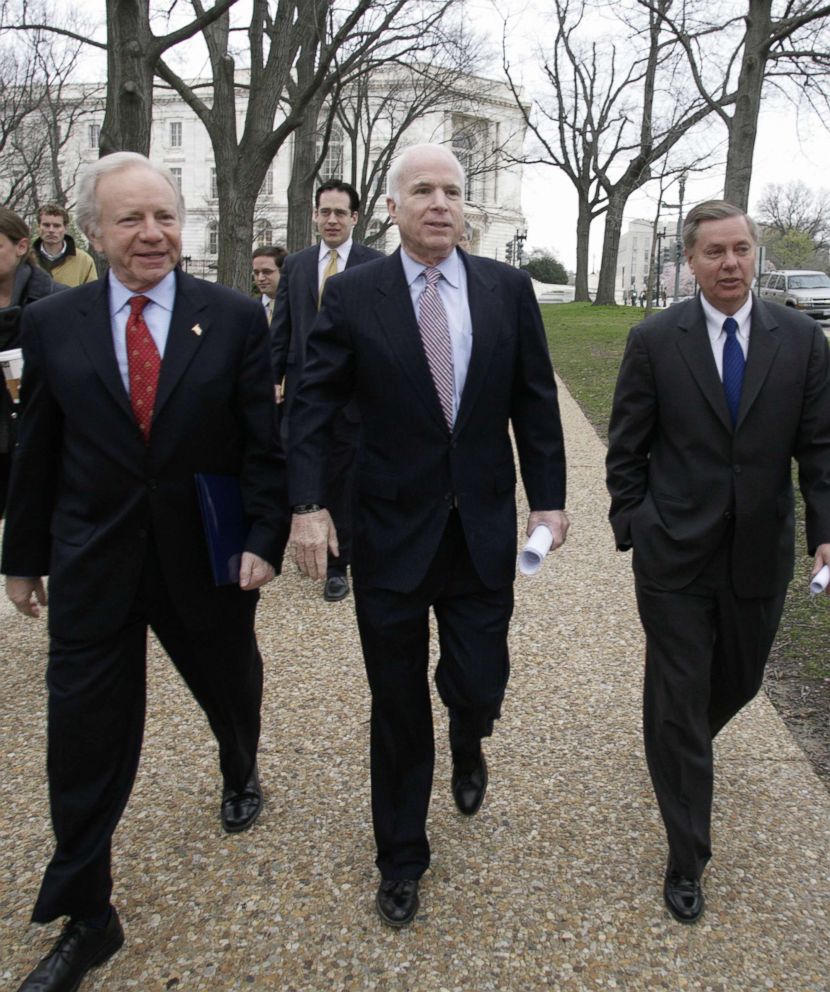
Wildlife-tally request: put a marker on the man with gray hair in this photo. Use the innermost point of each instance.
(442, 352)
(134, 386)
(715, 397)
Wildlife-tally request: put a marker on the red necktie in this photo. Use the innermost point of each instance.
(144, 363)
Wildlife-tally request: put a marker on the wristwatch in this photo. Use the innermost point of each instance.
(306, 508)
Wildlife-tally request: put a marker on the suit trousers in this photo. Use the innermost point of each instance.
(706, 650)
(96, 726)
(471, 676)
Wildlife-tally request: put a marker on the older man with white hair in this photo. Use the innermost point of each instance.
(132, 386)
(442, 352)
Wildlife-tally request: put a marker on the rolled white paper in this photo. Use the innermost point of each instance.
(820, 580)
(538, 545)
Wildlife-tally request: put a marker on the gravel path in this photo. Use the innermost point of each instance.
(556, 884)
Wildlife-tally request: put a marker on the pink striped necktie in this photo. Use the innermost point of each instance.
(435, 334)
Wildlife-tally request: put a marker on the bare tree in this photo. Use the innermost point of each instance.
(788, 49)
(38, 111)
(297, 53)
(618, 111)
(793, 206)
(133, 52)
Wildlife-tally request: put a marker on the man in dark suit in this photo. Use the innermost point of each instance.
(715, 396)
(266, 268)
(298, 299)
(131, 386)
(442, 352)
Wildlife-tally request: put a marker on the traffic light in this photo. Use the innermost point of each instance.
(678, 253)
(509, 251)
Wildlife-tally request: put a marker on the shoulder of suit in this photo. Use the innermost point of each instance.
(216, 292)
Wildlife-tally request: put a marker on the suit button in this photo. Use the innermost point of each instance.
(736, 469)
(152, 484)
(728, 515)
(142, 534)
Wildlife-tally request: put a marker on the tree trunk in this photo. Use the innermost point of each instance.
(129, 107)
(301, 186)
(744, 122)
(606, 287)
(583, 230)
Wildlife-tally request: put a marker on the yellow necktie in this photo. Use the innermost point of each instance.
(269, 311)
(329, 270)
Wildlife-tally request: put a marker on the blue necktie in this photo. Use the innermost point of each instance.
(733, 368)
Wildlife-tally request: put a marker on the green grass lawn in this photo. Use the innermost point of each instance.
(586, 345)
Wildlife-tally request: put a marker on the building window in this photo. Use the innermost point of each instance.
(175, 134)
(213, 238)
(94, 135)
(267, 188)
(176, 173)
(468, 142)
(332, 165)
(214, 185)
(263, 234)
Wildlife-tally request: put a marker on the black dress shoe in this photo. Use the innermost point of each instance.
(240, 809)
(469, 784)
(78, 949)
(397, 901)
(336, 588)
(683, 896)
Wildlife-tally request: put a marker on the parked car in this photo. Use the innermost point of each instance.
(803, 289)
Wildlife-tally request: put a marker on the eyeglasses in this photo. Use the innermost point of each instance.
(339, 212)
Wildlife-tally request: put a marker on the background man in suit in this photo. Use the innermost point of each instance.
(56, 251)
(298, 300)
(131, 385)
(715, 397)
(266, 265)
(442, 352)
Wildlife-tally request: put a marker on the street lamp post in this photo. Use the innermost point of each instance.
(678, 243)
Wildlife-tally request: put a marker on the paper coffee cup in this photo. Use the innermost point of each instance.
(12, 364)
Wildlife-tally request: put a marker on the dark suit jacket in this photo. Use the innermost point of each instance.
(87, 493)
(679, 476)
(410, 469)
(295, 310)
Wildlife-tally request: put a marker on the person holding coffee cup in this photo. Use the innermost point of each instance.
(21, 282)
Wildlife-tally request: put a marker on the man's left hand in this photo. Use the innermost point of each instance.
(555, 520)
(254, 571)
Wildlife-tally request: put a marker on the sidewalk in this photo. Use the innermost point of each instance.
(555, 885)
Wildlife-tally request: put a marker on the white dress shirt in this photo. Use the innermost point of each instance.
(717, 335)
(157, 315)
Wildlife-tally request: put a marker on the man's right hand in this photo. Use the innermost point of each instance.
(28, 595)
(312, 536)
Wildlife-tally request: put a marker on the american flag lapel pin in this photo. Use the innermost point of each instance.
(197, 330)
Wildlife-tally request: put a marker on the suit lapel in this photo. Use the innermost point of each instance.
(310, 274)
(397, 319)
(485, 311)
(189, 325)
(696, 348)
(763, 345)
(95, 333)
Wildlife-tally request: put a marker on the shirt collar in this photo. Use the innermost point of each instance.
(342, 250)
(448, 268)
(163, 293)
(715, 319)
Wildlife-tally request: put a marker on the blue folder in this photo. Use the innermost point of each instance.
(223, 517)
